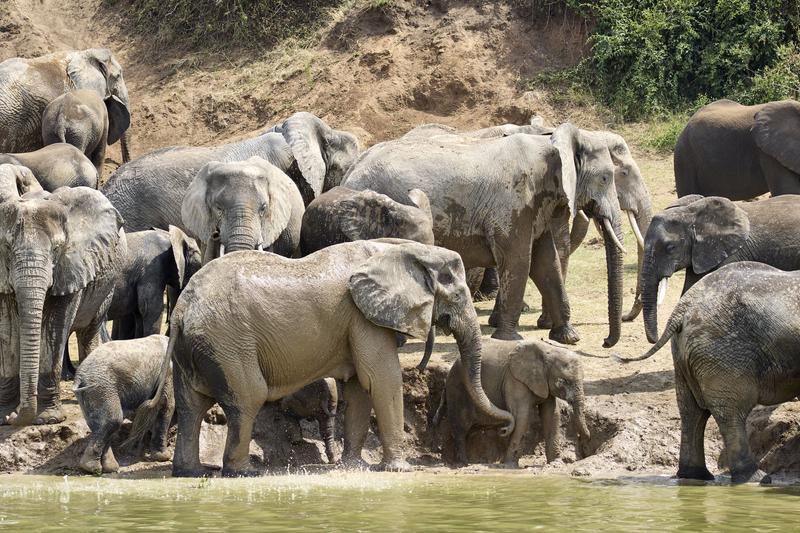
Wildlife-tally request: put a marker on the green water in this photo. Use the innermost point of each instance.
(389, 502)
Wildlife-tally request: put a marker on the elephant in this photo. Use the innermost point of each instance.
(149, 190)
(494, 200)
(702, 234)
(316, 401)
(518, 376)
(156, 260)
(740, 152)
(59, 254)
(56, 165)
(243, 205)
(734, 345)
(111, 383)
(28, 85)
(352, 298)
(82, 119)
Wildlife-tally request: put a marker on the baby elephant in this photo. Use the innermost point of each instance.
(518, 376)
(319, 401)
(111, 383)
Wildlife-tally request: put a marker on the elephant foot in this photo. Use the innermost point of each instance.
(354, 463)
(395, 465)
(51, 415)
(230, 472)
(6, 410)
(20, 417)
(493, 320)
(109, 462)
(757, 476)
(565, 334)
(91, 466)
(505, 335)
(695, 472)
(510, 464)
(544, 321)
(159, 456)
(216, 416)
(199, 471)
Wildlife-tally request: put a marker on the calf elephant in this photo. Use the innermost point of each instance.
(56, 165)
(702, 234)
(149, 190)
(740, 152)
(58, 260)
(734, 346)
(518, 376)
(317, 401)
(359, 294)
(82, 119)
(28, 85)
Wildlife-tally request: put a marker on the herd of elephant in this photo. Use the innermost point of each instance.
(294, 258)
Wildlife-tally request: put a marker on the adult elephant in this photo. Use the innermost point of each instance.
(494, 199)
(702, 234)
(740, 152)
(57, 269)
(149, 190)
(28, 85)
(359, 294)
(56, 165)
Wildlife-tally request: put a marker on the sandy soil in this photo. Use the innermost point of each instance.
(378, 73)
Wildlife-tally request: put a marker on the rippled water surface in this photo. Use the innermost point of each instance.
(389, 502)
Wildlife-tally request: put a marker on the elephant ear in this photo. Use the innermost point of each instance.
(88, 70)
(16, 180)
(720, 229)
(195, 211)
(777, 131)
(119, 118)
(566, 139)
(304, 134)
(421, 200)
(93, 235)
(182, 247)
(683, 201)
(395, 289)
(8, 218)
(279, 189)
(528, 367)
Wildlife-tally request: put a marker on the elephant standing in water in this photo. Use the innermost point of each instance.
(337, 318)
(149, 191)
(27, 86)
(58, 263)
(702, 234)
(734, 346)
(740, 152)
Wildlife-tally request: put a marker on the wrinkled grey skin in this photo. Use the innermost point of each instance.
(316, 401)
(28, 85)
(519, 376)
(244, 205)
(702, 234)
(483, 209)
(82, 119)
(740, 152)
(359, 294)
(156, 259)
(58, 261)
(56, 165)
(111, 383)
(734, 346)
(149, 190)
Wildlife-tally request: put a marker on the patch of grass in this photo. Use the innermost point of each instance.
(662, 133)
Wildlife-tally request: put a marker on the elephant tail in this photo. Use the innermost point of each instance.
(440, 410)
(674, 325)
(146, 413)
(78, 386)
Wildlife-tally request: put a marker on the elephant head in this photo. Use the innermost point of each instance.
(408, 287)
(242, 205)
(776, 131)
(52, 244)
(97, 69)
(588, 170)
(188, 258)
(696, 233)
(16, 180)
(371, 215)
(323, 154)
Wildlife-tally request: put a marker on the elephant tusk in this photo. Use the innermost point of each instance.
(583, 215)
(636, 231)
(260, 247)
(612, 235)
(221, 249)
(662, 290)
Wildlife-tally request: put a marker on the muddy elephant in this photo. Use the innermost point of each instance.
(111, 383)
(56, 165)
(740, 152)
(58, 261)
(243, 205)
(352, 298)
(734, 346)
(87, 122)
(28, 85)
(156, 260)
(702, 234)
(519, 376)
(494, 200)
(316, 401)
(149, 190)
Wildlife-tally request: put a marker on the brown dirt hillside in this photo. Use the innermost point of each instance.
(379, 71)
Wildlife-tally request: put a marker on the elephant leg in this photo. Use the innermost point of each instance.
(356, 423)
(327, 426)
(551, 427)
(545, 270)
(151, 308)
(124, 328)
(59, 315)
(67, 368)
(109, 462)
(559, 228)
(236, 458)
(460, 443)
(732, 426)
(98, 158)
(88, 340)
(522, 414)
(9, 395)
(692, 461)
(191, 407)
(160, 434)
(104, 419)
(512, 268)
(780, 179)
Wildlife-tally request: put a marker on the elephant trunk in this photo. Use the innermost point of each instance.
(468, 339)
(650, 284)
(242, 235)
(579, 415)
(123, 146)
(614, 272)
(640, 221)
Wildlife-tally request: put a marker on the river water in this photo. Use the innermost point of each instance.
(352, 501)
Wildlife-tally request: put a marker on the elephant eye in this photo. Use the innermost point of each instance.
(670, 247)
(263, 207)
